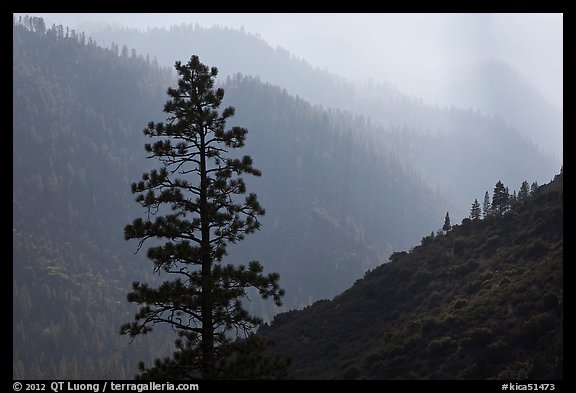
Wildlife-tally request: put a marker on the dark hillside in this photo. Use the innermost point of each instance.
(483, 301)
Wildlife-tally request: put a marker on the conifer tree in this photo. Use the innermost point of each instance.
(447, 225)
(524, 191)
(194, 203)
(486, 205)
(500, 199)
(475, 210)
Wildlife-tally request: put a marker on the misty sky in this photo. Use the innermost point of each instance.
(415, 52)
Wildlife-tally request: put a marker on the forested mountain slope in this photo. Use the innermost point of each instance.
(79, 111)
(341, 193)
(491, 87)
(484, 300)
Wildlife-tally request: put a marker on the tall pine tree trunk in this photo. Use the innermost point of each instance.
(208, 366)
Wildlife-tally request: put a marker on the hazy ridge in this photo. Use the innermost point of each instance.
(342, 190)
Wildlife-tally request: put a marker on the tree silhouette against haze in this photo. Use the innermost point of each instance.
(194, 203)
(524, 191)
(486, 205)
(475, 210)
(447, 225)
(500, 199)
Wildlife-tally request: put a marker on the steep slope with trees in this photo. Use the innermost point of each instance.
(340, 192)
(78, 114)
(75, 111)
(484, 300)
(337, 200)
(492, 87)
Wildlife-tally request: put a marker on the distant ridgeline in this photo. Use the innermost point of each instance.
(79, 111)
(482, 301)
(340, 193)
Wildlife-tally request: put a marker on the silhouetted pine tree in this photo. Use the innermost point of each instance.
(193, 203)
(524, 191)
(500, 199)
(486, 205)
(447, 225)
(475, 210)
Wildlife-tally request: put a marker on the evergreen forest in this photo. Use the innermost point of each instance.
(356, 181)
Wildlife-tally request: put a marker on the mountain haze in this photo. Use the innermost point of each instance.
(351, 173)
(78, 114)
(510, 97)
(500, 122)
(490, 86)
